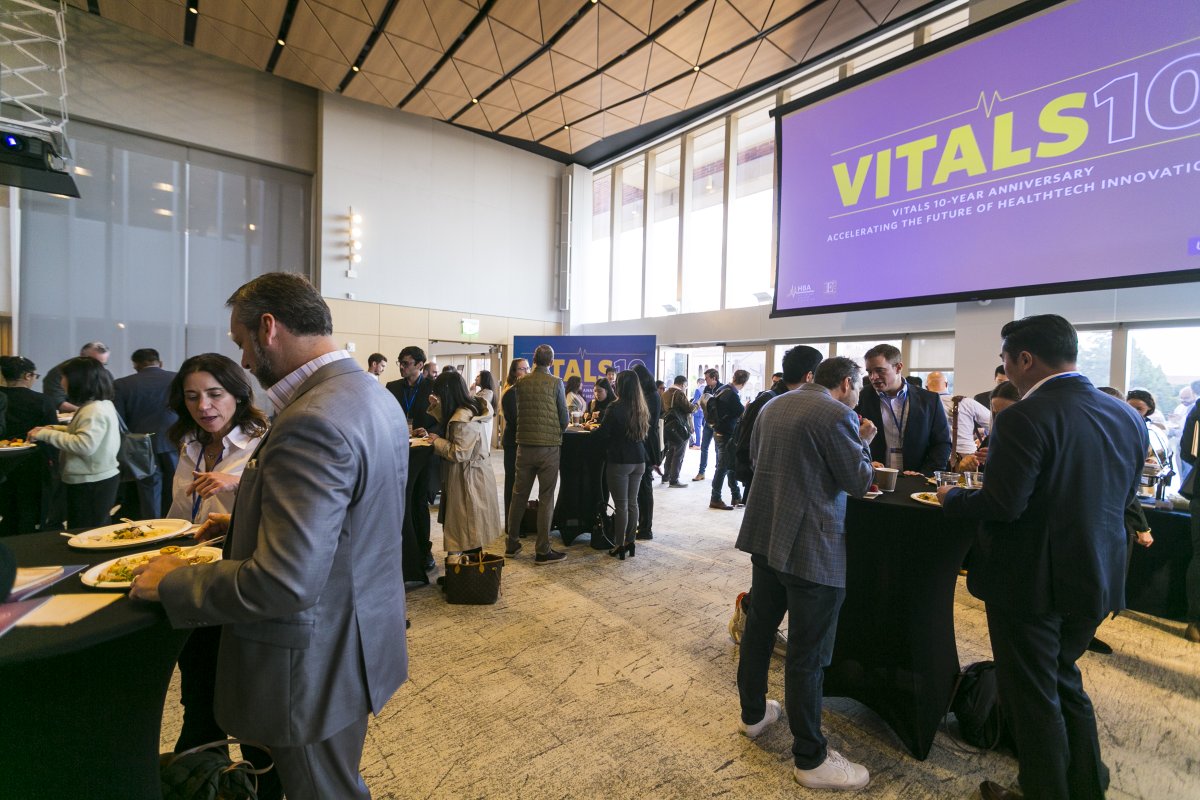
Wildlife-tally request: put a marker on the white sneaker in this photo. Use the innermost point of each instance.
(835, 773)
(771, 715)
(781, 642)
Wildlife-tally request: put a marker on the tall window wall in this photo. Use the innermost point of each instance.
(662, 240)
(627, 260)
(161, 235)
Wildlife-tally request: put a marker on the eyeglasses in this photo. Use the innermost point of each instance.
(406, 362)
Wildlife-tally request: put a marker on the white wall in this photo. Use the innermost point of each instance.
(451, 220)
(120, 77)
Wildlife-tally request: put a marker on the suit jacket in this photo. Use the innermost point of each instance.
(310, 592)
(418, 409)
(141, 400)
(807, 456)
(926, 433)
(1062, 466)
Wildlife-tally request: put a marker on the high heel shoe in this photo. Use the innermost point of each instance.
(629, 548)
(619, 550)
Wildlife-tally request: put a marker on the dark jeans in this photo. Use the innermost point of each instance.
(1043, 698)
(510, 475)
(673, 461)
(88, 504)
(724, 470)
(1193, 571)
(624, 481)
(812, 610)
(706, 438)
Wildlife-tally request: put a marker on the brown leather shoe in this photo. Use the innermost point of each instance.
(1192, 634)
(990, 790)
(720, 504)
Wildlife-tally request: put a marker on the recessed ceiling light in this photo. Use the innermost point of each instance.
(696, 68)
(566, 127)
(280, 42)
(474, 99)
(194, 10)
(354, 68)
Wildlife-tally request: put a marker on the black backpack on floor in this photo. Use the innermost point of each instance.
(976, 705)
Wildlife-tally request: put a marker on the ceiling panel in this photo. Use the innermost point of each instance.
(426, 53)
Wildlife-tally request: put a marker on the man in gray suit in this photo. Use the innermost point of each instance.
(809, 451)
(310, 591)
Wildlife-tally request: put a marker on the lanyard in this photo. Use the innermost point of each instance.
(903, 419)
(411, 393)
(196, 499)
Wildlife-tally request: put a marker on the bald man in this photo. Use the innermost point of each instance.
(966, 416)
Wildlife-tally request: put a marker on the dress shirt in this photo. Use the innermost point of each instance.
(1038, 385)
(971, 415)
(892, 434)
(283, 390)
(236, 449)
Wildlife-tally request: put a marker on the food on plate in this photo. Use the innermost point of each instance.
(928, 497)
(15, 442)
(130, 532)
(121, 570)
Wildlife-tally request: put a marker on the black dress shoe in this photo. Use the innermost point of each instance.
(642, 537)
(1099, 646)
(429, 562)
(990, 790)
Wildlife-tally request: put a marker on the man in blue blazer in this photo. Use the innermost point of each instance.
(1049, 561)
(141, 400)
(310, 592)
(914, 435)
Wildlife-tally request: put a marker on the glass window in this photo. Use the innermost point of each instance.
(1095, 356)
(931, 352)
(662, 244)
(884, 52)
(627, 260)
(593, 299)
(947, 24)
(751, 212)
(703, 230)
(754, 362)
(811, 84)
(855, 348)
(781, 350)
(1163, 362)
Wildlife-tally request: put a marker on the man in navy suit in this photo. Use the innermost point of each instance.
(141, 400)
(1049, 561)
(915, 434)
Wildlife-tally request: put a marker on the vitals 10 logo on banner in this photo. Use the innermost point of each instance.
(589, 356)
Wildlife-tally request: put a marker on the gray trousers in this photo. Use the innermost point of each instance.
(624, 480)
(541, 463)
(325, 769)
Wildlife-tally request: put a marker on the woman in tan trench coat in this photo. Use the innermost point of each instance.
(470, 512)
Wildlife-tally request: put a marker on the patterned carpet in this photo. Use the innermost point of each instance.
(595, 678)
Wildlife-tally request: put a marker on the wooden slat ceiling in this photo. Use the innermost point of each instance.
(564, 74)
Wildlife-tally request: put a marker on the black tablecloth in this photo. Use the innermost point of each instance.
(81, 705)
(895, 650)
(580, 487)
(1157, 574)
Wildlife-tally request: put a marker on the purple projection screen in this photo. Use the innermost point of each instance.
(1058, 153)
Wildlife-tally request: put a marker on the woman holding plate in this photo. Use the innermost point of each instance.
(217, 432)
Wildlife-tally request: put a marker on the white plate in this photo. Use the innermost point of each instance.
(917, 496)
(17, 448)
(89, 577)
(101, 538)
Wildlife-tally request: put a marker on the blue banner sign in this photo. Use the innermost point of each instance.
(589, 356)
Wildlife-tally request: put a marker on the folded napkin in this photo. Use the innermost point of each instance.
(63, 609)
(30, 576)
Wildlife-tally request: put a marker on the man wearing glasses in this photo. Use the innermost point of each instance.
(412, 392)
(916, 435)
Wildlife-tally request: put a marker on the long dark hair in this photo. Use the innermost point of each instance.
(512, 371)
(609, 394)
(574, 384)
(87, 380)
(232, 379)
(451, 391)
(628, 395)
(486, 381)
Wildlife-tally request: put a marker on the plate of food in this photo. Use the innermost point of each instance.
(16, 444)
(129, 534)
(118, 573)
(928, 498)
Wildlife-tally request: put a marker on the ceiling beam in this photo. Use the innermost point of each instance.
(190, 15)
(285, 25)
(356, 67)
(450, 51)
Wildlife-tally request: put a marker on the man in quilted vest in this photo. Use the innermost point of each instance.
(541, 419)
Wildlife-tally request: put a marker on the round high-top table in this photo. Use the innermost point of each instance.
(81, 705)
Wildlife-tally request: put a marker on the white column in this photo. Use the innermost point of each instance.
(977, 327)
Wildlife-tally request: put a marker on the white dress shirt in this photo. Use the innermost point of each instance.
(237, 448)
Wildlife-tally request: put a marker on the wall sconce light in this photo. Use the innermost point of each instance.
(353, 243)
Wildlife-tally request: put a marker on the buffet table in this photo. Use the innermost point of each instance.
(81, 704)
(895, 650)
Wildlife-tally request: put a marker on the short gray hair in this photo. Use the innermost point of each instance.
(832, 371)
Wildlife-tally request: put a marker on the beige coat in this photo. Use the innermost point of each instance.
(469, 504)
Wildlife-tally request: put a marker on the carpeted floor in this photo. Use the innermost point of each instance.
(595, 678)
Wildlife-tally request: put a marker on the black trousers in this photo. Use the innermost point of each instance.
(510, 476)
(1041, 692)
(88, 504)
(645, 501)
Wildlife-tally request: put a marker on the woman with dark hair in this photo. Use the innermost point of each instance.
(1160, 449)
(88, 445)
(469, 513)
(217, 432)
(624, 432)
(575, 402)
(653, 447)
(1003, 395)
(485, 387)
(602, 397)
(517, 369)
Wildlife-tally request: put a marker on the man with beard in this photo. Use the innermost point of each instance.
(309, 591)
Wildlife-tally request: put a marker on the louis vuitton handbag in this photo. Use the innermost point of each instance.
(474, 579)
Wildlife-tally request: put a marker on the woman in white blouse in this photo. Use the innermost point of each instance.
(218, 430)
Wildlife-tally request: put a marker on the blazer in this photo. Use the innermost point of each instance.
(807, 457)
(141, 400)
(926, 433)
(310, 592)
(1062, 466)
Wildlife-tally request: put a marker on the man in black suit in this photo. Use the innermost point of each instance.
(915, 434)
(141, 400)
(412, 393)
(1049, 561)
